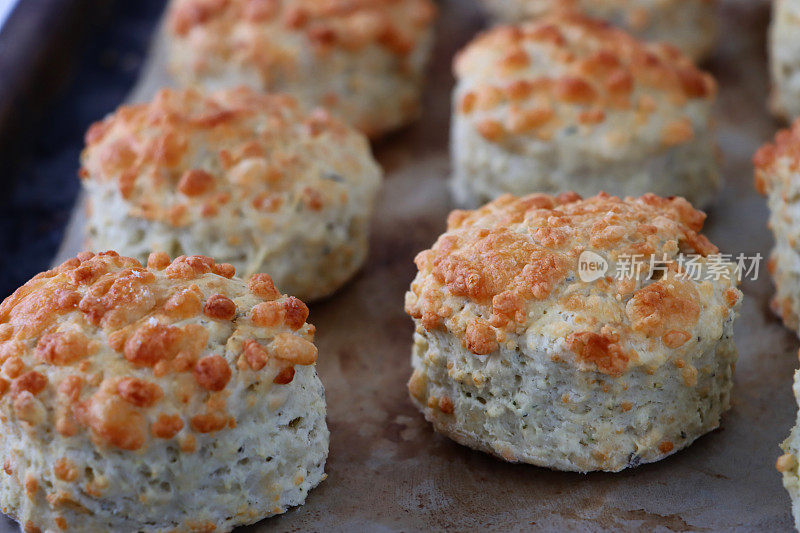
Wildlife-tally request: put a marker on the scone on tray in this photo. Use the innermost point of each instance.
(569, 103)
(362, 59)
(787, 464)
(777, 175)
(246, 178)
(689, 25)
(527, 348)
(784, 51)
(171, 397)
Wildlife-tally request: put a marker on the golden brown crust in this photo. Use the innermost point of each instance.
(104, 345)
(482, 277)
(394, 25)
(664, 307)
(361, 59)
(785, 148)
(602, 350)
(566, 68)
(189, 156)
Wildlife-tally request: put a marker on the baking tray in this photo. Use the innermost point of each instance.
(389, 471)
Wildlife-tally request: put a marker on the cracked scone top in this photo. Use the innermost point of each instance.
(362, 59)
(245, 178)
(689, 25)
(515, 355)
(171, 397)
(569, 103)
(777, 176)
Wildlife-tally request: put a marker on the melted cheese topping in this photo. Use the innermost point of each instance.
(510, 269)
(128, 353)
(541, 76)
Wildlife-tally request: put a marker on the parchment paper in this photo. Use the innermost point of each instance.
(389, 471)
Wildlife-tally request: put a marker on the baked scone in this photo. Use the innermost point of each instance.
(362, 59)
(522, 353)
(689, 25)
(784, 48)
(174, 397)
(787, 463)
(246, 178)
(777, 175)
(568, 103)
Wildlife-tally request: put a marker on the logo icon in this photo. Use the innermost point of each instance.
(591, 266)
